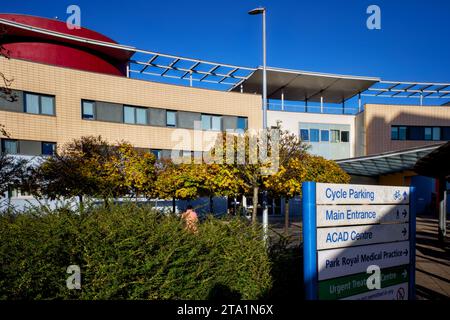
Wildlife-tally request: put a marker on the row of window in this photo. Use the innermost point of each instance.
(39, 104)
(11, 146)
(139, 115)
(316, 135)
(420, 133)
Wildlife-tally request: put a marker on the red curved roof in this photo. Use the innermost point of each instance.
(25, 43)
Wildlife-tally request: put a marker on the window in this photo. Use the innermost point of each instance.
(402, 133)
(428, 134)
(10, 146)
(39, 104)
(416, 133)
(242, 123)
(394, 133)
(87, 110)
(324, 135)
(335, 135)
(304, 134)
(171, 119)
(210, 122)
(436, 133)
(345, 136)
(48, 148)
(446, 133)
(314, 135)
(156, 153)
(134, 115)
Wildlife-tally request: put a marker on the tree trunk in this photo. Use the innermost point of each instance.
(211, 209)
(286, 216)
(80, 198)
(255, 203)
(173, 205)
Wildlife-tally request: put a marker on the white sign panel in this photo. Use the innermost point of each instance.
(397, 292)
(328, 238)
(327, 193)
(341, 215)
(345, 261)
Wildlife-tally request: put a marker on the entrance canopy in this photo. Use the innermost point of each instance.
(386, 163)
(305, 86)
(436, 163)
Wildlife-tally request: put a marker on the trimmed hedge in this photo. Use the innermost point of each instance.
(130, 252)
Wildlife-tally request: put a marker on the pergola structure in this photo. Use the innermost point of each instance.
(294, 84)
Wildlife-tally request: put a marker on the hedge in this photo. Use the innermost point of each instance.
(130, 252)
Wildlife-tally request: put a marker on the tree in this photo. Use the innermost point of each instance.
(90, 166)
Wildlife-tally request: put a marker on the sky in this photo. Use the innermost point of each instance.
(323, 35)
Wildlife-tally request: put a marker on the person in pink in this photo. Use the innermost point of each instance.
(191, 219)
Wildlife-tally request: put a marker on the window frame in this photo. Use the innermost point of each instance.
(322, 131)
(94, 110)
(211, 121)
(346, 133)
(245, 119)
(338, 135)
(48, 142)
(311, 130)
(40, 96)
(3, 151)
(175, 118)
(301, 134)
(135, 113)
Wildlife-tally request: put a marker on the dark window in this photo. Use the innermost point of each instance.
(88, 110)
(48, 148)
(10, 146)
(345, 136)
(134, 115)
(304, 134)
(446, 133)
(314, 133)
(324, 135)
(394, 133)
(39, 104)
(156, 153)
(171, 118)
(402, 133)
(416, 133)
(242, 123)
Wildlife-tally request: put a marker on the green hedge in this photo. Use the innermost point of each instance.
(130, 252)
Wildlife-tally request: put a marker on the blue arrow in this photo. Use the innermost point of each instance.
(404, 232)
(404, 213)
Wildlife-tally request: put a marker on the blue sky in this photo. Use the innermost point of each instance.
(322, 35)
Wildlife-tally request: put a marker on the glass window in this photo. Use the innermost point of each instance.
(171, 118)
(324, 135)
(47, 105)
(242, 123)
(31, 103)
(345, 136)
(304, 134)
(141, 116)
(402, 133)
(10, 146)
(314, 135)
(216, 123)
(335, 135)
(428, 133)
(446, 133)
(87, 110)
(156, 153)
(394, 133)
(48, 148)
(416, 133)
(436, 133)
(206, 122)
(128, 115)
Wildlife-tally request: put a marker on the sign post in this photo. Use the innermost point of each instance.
(349, 228)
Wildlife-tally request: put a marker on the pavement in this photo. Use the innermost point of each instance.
(432, 261)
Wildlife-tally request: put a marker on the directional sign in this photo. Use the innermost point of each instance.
(344, 261)
(360, 194)
(340, 215)
(397, 292)
(328, 238)
(349, 228)
(352, 285)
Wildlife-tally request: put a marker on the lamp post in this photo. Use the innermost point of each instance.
(262, 11)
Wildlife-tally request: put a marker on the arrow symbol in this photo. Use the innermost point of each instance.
(404, 274)
(405, 252)
(404, 232)
(404, 213)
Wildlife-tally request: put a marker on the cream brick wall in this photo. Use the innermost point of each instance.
(70, 86)
(379, 118)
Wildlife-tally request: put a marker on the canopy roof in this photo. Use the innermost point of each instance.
(385, 163)
(303, 85)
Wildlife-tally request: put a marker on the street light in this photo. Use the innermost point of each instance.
(262, 11)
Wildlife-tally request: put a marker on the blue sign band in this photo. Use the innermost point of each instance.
(309, 240)
(412, 243)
